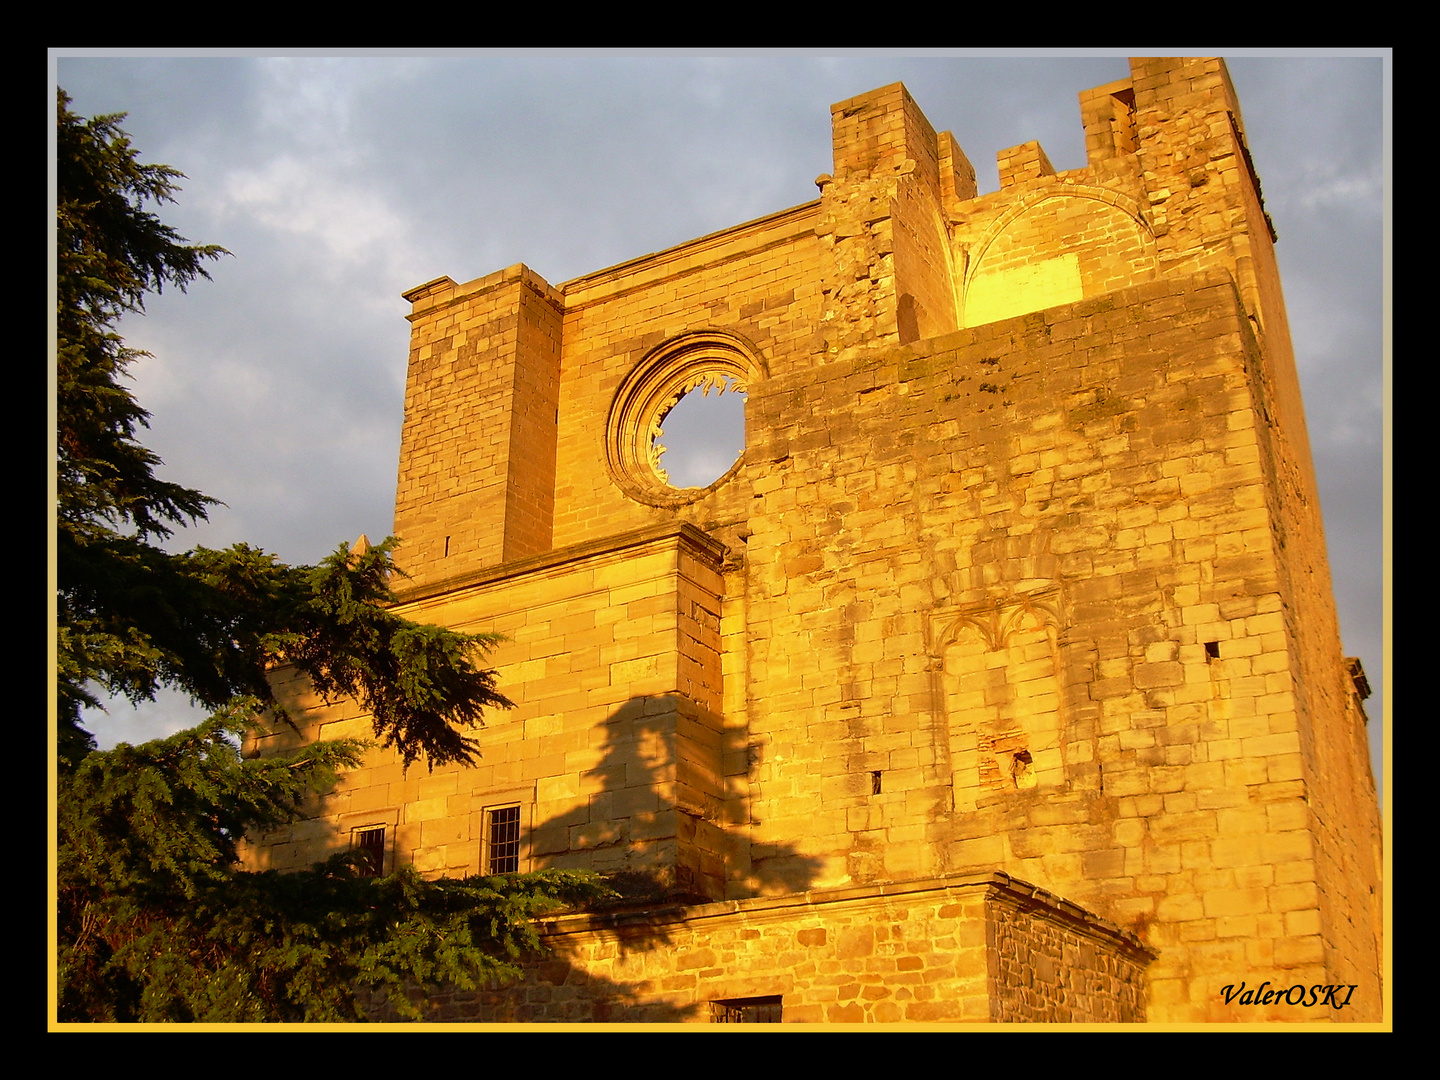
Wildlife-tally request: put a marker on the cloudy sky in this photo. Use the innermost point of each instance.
(338, 182)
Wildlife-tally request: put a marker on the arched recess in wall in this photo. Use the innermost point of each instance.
(699, 360)
(1000, 668)
(1057, 247)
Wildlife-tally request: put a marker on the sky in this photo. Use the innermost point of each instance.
(337, 182)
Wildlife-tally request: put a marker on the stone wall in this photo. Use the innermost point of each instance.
(612, 751)
(975, 949)
(1021, 568)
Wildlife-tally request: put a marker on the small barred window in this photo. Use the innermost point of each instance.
(370, 843)
(504, 840)
(756, 1010)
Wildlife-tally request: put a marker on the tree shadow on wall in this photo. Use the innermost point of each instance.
(665, 815)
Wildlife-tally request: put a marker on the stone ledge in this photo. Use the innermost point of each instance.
(1003, 887)
(711, 249)
(683, 534)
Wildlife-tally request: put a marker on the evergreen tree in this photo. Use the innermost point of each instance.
(156, 922)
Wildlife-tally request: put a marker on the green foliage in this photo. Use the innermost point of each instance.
(110, 252)
(156, 922)
(418, 682)
(134, 617)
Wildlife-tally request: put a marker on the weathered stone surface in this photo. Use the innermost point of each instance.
(1021, 570)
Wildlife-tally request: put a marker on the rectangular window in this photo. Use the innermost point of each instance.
(370, 842)
(756, 1010)
(502, 829)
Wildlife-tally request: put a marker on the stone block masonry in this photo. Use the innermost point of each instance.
(1019, 578)
(966, 949)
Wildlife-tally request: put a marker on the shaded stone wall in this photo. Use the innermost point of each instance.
(1049, 969)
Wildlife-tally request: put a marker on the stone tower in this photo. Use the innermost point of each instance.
(1020, 578)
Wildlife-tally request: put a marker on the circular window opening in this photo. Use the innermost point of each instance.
(702, 435)
(676, 428)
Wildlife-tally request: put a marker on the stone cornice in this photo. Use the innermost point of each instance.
(671, 533)
(998, 885)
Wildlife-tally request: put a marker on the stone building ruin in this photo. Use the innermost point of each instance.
(998, 679)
